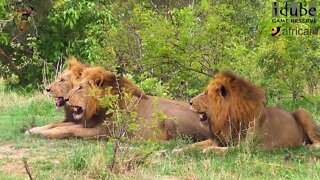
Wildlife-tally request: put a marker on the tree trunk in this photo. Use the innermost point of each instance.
(13, 68)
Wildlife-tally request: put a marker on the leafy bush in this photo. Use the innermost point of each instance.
(172, 48)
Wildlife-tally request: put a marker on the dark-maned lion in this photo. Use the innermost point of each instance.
(60, 88)
(180, 120)
(234, 105)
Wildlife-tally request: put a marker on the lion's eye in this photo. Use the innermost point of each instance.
(61, 80)
(79, 88)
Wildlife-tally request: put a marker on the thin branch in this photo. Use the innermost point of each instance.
(191, 69)
(26, 166)
(155, 6)
(8, 61)
(308, 100)
(274, 165)
(3, 23)
(115, 153)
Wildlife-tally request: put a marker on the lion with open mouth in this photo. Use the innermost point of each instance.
(233, 106)
(85, 106)
(59, 88)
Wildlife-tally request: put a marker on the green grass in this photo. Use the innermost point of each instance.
(89, 159)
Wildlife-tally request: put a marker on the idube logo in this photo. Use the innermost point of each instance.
(294, 12)
(294, 9)
(275, 31)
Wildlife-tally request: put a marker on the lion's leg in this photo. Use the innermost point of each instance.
(216, 149)
(60, 132)
(39, 130)
(199, 145)
(309, 126)
(73, 131)
(96, 132)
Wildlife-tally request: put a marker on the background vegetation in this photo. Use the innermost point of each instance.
(175, 46)
(170, 48)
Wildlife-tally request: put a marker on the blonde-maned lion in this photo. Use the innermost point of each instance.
(60, 88)
(179, 119)
(233, 105)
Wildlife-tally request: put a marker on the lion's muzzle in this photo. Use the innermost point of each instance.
(77, 112)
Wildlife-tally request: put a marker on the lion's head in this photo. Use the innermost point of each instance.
(233, 104)
(199, 104)
(83, 98)
(65, 81)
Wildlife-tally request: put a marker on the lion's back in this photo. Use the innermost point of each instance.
(280, 129)
(177, 116)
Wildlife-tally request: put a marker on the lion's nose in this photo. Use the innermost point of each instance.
(48, 88)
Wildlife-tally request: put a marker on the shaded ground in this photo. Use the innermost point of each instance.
(14, 166)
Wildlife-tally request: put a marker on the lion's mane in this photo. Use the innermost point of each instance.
(99, 79)
(234, 103)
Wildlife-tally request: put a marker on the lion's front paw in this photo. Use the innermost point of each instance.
(32, 131)
(28, 132)
(178, 150)
(161, 153)
(315, 145)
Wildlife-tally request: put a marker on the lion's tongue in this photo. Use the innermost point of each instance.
(203, 117)
(59, 101)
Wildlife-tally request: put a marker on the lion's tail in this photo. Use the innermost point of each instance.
(308, 124)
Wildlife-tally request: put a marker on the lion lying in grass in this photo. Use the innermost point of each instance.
(232, 105)
(58, 89)
(180, 120)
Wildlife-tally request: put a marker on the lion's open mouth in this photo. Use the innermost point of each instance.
(60, 101)
(77, 112)
(203, 118)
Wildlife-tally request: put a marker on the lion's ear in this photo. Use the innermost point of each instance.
(78, 74)
(73, 62)
(99, 81)
(222, 91)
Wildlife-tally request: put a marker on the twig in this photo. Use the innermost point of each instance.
(274, 165)
(155, 6)
(115, 153)
(26, 166)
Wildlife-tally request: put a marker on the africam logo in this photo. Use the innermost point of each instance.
(275, 31)
(296, 31)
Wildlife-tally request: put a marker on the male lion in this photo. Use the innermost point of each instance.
(179, 119)
(58, 89)
(234, 105)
